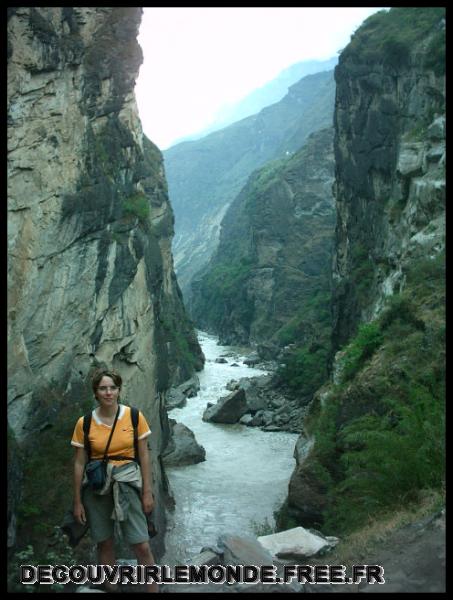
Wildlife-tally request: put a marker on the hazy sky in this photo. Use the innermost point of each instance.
(197, 60)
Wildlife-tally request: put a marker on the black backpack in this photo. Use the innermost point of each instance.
(86, 429)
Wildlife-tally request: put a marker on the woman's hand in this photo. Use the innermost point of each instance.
(147, 501)
(79, 513)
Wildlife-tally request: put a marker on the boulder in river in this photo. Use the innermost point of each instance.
(190, 387)
(232, 385)
(176, 397)
(246, 419)
(183, 448)
(252, 360)
(228, 409)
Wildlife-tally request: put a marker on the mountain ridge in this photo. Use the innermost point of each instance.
(267, 94)
(204, 176)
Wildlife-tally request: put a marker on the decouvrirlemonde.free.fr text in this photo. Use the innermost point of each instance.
(247, 574)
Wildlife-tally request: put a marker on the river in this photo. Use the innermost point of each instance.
(245, 476)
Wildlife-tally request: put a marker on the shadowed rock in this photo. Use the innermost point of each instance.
(228, 409)
(183, 448)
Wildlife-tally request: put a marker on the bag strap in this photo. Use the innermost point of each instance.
(134, 419)
(111, 433)
(86, 430)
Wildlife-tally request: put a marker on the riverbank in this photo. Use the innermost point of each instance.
(245, 476)
(408, 544)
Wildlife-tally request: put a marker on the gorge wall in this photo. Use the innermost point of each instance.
(389, 163)
(91, 279)
(274, 253)
(205, 176)
(375, 433)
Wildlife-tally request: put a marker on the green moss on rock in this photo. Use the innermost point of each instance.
(390, 36)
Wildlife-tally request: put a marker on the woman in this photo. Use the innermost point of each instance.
(126, 504)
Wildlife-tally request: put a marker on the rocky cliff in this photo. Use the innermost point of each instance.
(389, 162)
(91, 278)
(206, 175)
(275, 250)
(375, 438)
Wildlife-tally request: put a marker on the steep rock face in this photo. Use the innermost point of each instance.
(390, 236)
(91, 278)
(275, 248)
(390, 171)
(205, 176)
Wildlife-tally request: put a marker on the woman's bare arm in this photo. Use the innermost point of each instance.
(79, 466)
(145, 465)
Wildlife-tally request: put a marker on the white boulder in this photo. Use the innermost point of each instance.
(297, 542)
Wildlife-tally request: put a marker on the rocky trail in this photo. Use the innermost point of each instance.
(412, 556)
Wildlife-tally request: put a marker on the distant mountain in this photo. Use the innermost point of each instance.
(268, 94)
(274, 255)
(204, 176)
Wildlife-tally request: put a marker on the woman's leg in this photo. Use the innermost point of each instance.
(106, 556)
(145, 557)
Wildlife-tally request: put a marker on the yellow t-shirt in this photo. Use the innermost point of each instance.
(122, 442)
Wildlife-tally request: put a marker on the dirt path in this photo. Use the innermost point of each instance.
(413, 558)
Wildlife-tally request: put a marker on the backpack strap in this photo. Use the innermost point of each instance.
(134, 419)
(86, 430)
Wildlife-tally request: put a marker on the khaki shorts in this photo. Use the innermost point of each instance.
(98, 510)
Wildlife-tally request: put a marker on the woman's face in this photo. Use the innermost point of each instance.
(107, 392)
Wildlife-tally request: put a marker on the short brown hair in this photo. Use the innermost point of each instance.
(98, 375)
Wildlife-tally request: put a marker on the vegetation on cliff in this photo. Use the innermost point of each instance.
(206, 175)
(269, 280)
(47, 459)
(308, 334)
(380, 430)
(389, 36)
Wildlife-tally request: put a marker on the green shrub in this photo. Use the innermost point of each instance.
(137, 206)
(324, 429)
(315, 311)
(288, 333)
(268, 174)
(305, 371)
(435, 54)
(175, 334)
(362, 271)
(387, 460)
(226, 277)
(264, 528)
(59, 552)
(400, 308)
(395, 52)
(389, 36)
(427, 272)
(381, 437)
(47, 474)
(362, 347)
(183, 349)
(221, 286)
